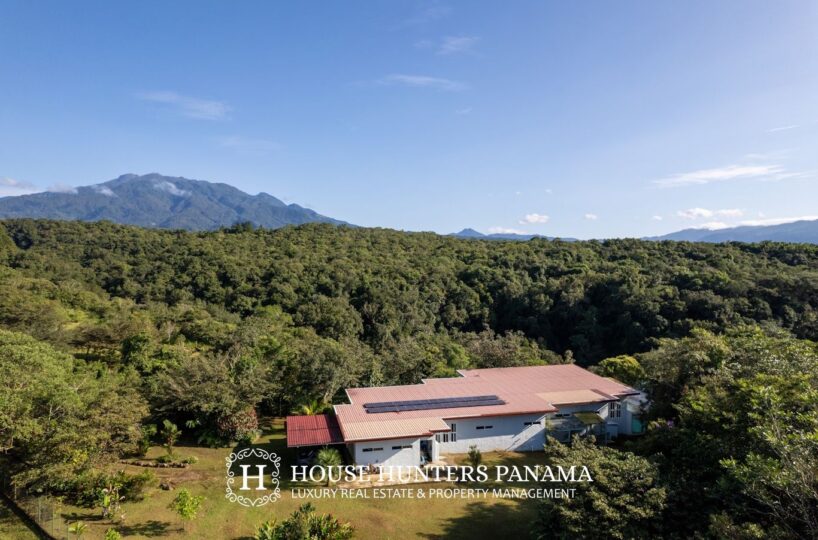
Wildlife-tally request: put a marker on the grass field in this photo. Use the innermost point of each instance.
(372, 518)
(11, 526)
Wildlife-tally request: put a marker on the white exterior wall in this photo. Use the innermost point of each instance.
(614, 426)
(506, 433)
(387, 456)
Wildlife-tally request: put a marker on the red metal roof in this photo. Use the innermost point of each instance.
(315, 430)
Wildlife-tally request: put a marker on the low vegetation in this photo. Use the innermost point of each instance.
(115, 341)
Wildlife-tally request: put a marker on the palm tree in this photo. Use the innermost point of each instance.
(328, 457)
(77, 528)
(170, 433)
(312, 407)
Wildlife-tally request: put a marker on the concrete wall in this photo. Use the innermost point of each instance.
(387, 453)
(498, 433)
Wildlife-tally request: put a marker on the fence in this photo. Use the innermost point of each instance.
(43, 513)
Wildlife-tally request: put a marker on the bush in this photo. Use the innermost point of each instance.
(167, 458)
(85, 490)
(148, 433)
(191, 460)
(475, 457)
(305, 524)
(241, 426)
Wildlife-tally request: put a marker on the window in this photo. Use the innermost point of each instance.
(443, 437)
(453, 434)
(485, 427)
(537, 423)
(615, 410)
(373, 449)
(366, 450)
(562, 415)
(401, 447)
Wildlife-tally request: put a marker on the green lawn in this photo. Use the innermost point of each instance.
(381, 519)
(12, 527)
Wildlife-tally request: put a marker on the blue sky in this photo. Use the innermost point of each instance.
(586, 119)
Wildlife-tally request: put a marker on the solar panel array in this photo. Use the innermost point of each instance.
(437, 403)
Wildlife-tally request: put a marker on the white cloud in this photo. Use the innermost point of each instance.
(549, 191)
(248, 145)
(656, 218)
(456, 44)
(534, 218)
(202, 109)
(712, 225)
(696, 213)
(782, 128)
(103, 190)
(505, 230)
(777, 221)
(10, 186)
(422, 81)
(591, 217)
(727, 173)
(59, 187)
(171, 188)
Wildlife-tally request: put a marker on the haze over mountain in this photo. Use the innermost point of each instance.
(471, 233)
(154, 200)
(804, 231)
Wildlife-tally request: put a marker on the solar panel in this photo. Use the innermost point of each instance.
(436, 403)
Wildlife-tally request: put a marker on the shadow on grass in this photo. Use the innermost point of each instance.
(71, 517)
(148, 529)
(484, 520)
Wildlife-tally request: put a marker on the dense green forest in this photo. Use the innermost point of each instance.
(106, 331)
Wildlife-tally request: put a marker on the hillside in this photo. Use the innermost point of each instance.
(796, 232)
(153, 200)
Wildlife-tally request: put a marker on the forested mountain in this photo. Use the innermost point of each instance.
(804, 231)
(471, 233)
(107, 331)
(153, 200)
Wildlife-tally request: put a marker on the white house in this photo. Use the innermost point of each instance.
(493, 409)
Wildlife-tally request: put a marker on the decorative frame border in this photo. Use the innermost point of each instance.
(230, 477)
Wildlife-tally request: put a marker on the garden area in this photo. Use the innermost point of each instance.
(218, 518)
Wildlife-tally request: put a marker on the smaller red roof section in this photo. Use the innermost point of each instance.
(315, 430)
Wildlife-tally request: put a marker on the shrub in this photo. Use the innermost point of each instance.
(475, 457)
(148, 433)
(86, 490)
(304, 523)
(241, 426)
(186, 505)
(191, 460)
(328, 457)
(170, 434)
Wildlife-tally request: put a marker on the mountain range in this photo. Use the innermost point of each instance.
(476, 235)
(805, 231)
(153, 200)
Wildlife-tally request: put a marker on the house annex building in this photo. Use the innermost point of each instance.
(493, 409)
